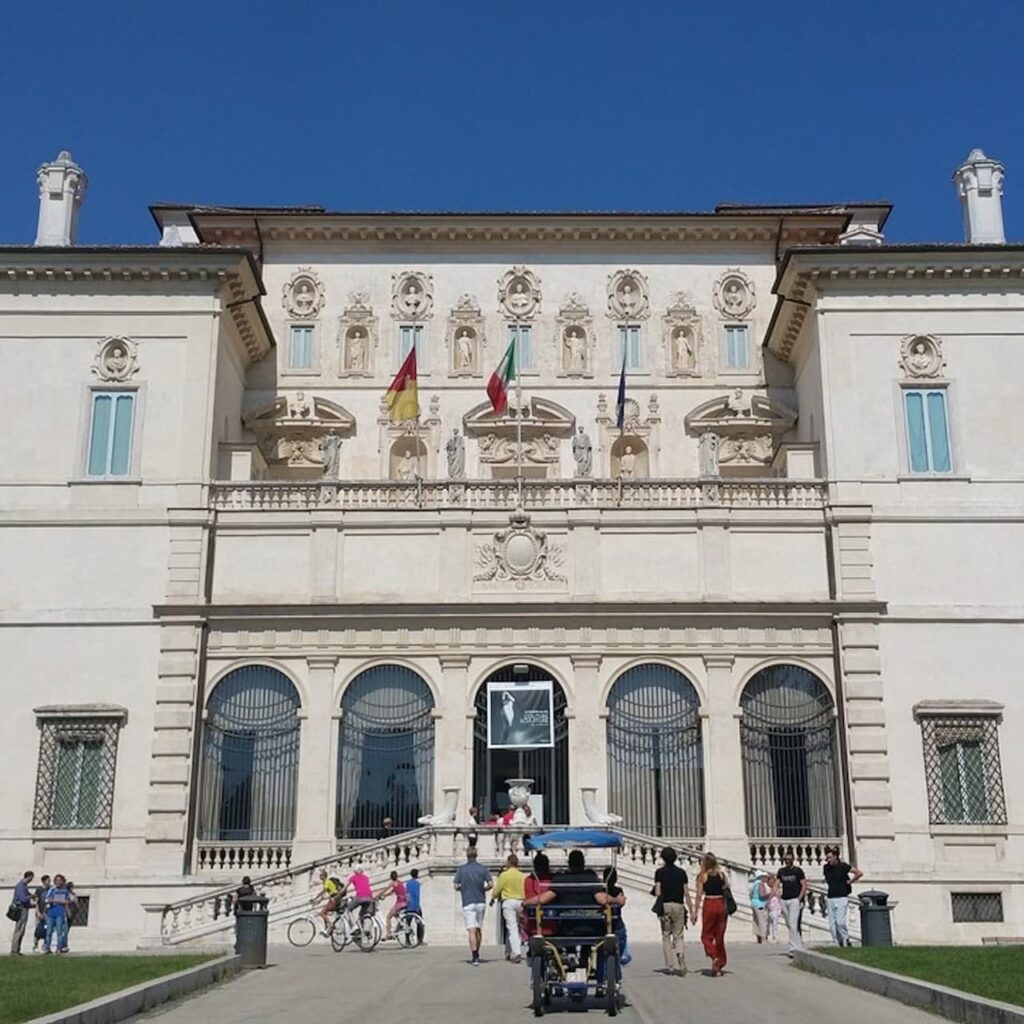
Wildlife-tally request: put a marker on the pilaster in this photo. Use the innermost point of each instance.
(588, 733)
(314, 825)
(453, 737)
(723, 761)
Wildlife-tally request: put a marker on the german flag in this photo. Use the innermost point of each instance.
(403, 397)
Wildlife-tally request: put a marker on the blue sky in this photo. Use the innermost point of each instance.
(452, 104)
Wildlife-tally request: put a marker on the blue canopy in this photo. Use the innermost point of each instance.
(572, 838)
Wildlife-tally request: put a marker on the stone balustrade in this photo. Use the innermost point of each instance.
(366, 495)
(242, 858)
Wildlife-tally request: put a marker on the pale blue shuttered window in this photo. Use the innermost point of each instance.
(737, 347)
(110, 433)
(927, 431)
(629, 343)
(409, 335)
(300, 347)
(522, 335)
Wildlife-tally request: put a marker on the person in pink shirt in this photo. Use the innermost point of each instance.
(397, 886)
(362, 891)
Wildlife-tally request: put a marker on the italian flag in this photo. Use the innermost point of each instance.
(402, 397)
(497, 386)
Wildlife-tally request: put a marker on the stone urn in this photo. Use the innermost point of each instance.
(519, 791)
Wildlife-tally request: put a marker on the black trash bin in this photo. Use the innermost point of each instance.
(251, 930)
(875, 919)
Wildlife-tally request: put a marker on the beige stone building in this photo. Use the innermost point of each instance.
(244, 616)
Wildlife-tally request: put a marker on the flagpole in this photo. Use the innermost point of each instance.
(519, 424)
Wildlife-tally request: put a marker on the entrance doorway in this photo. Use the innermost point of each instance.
(547, 766)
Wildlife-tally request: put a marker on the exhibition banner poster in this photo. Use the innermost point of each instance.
(520, 715)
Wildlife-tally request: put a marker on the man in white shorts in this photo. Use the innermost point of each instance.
(472, 880)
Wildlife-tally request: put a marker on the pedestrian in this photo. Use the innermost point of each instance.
(774, 913)
(538, 892)
(243, 892)
(839, 877)
(39, 898)
(385, 832)
(414, 896)
(712, 883)
(510, 889)
(670, 887)
(21, 906)
(617, 900)
(791, 887)
(760, 894)
(472, 880)
(57, 899)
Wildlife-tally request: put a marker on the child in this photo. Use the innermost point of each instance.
(774, 913)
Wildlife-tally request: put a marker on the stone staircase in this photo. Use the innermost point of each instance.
(207, 918)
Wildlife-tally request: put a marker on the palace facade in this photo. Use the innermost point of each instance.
(245, 616)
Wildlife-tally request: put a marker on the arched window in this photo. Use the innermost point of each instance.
(250, 758)
(385, 752)
(790, 772)
(547, 766)
(655, 753)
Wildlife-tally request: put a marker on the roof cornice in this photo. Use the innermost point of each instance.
(806, 273)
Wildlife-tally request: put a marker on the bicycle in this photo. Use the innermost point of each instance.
(365, 931)
(409, 929)
(303, 930)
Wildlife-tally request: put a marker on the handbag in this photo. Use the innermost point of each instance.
(730, 902)
(14, 911)
(658, 907)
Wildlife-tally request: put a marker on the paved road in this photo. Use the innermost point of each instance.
(434, 986)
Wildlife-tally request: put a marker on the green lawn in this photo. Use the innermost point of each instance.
(31, 986)
(995, 972)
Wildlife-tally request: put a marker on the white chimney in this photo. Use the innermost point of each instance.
(62, 186)
(979, 182)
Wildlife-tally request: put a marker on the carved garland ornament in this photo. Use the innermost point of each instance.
(116, 360)
(519, 554)
(519, 294)
(734, 295)
(304, 295)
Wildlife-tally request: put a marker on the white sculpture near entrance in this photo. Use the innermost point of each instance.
(519, 791)
(446, 816)
(590, 808)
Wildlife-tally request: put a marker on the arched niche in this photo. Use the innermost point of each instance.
(408, 459)
(630, 458)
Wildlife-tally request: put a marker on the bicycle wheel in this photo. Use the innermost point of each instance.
(302, 931)
(538, 972)
(339, 933)
(409, 930)
(368, 934)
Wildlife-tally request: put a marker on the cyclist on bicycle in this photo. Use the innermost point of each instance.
(396, 886)
(362, 892)
(330, 893)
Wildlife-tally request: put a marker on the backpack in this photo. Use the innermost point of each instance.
(337, 882)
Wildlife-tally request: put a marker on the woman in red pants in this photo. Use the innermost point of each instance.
(711, 885)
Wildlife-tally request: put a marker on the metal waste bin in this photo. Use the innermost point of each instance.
(251, 930)
(875, 919)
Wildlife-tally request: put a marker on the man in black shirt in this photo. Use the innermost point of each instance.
(670, 882)
(839, 877)
(791, 885)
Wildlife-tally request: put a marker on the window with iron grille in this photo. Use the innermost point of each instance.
(962, 770)
(80, 916)
(977, 907)
(75, 778)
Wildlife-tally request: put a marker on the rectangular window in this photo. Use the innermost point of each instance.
(629, 344)
(927, 430)
(300, 347)
(522, 335)
(75, 777)
(977, 907)
(737, 347)
(409, 335)
(110, 433)
(962, 770)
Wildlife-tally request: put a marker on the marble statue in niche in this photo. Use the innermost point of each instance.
(683, 355)
(455, 450)
(464, 349)
(357, 349)
(627, 463)
(406, 469)
(708, 453)
(575, 349)
(583, 453)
